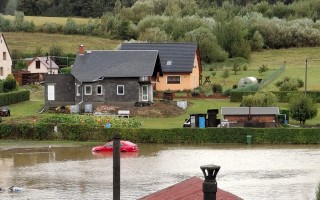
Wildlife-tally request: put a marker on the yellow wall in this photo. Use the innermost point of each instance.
(188, 81)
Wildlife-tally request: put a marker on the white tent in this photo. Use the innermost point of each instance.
(247, 80)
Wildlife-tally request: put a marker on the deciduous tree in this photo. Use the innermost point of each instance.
(302, 108)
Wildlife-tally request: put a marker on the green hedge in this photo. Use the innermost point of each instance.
(282, 96)
(14, 97)
(179, 135)
(237, 96)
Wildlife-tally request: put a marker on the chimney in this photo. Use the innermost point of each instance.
(209, 186)
(81, 50)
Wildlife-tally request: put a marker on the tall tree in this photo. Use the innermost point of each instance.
(302, 108)
(11, 7)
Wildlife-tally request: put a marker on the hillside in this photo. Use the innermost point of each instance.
(28, 42)
(273, 58)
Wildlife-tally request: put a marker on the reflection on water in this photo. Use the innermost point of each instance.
(251, 172)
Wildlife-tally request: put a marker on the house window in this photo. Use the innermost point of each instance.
(38, 64)
(99, 89)
(1, 71)
(120, 89)
(78, 92)
(88, 90)
(144, 93)
(4, 55)
(173, 80)
(51, 96)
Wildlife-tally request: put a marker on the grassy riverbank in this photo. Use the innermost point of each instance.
(10, 144)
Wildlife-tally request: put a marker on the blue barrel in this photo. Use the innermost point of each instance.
(202, 122)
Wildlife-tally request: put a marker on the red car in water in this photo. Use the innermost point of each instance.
(125, 146)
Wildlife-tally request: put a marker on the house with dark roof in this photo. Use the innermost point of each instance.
(100, 76)
(5, 59)
(181, 64)
(250, 116)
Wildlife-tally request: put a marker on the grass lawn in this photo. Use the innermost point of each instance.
(295, 59)
(39, 20)
(28, 42)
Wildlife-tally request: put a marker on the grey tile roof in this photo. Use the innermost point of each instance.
(181, 55)
(253, 111)
(98, 64)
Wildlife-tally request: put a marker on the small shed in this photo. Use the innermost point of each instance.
(250, 116)
(247, 80)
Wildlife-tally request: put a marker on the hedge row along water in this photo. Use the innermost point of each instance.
(45, 131)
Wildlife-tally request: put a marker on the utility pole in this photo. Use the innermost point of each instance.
(305, 78)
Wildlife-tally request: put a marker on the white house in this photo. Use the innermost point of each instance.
(42, 65)
(5, 59)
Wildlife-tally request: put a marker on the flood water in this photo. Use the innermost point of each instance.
(251, 172)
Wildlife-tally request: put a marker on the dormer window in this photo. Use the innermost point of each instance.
(169, 62)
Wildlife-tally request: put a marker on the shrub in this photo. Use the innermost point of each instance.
(216, 88)
(153, 35)
(260, 99)
(196, 92)
(70, 27)
(227, 92)
(1, 86)
(66, 70)
(9, 83)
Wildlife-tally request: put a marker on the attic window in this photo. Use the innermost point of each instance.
(38, 64)
(169, 62)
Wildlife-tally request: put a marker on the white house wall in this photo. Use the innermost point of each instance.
(43, 69)
(7, 63)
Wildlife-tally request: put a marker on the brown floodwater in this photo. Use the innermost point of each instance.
(251, 172)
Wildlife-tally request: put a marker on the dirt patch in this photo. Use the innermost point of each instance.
(158, 110)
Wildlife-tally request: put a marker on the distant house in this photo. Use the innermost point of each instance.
(5, 59)
(250, 116)
(102, 76)
(181, 64)
(190, 189)
(42, 65)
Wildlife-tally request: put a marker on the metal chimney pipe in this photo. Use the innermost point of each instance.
(210, 186)
(116, 166)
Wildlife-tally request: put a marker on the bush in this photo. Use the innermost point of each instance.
(196, 92)
(14, 97)
(9, 83)
(216, 88)
(1, 86)
(227, 92)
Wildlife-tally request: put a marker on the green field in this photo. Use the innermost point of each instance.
(28, 42)
(40, 20)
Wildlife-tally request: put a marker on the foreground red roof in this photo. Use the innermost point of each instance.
(190, 189)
